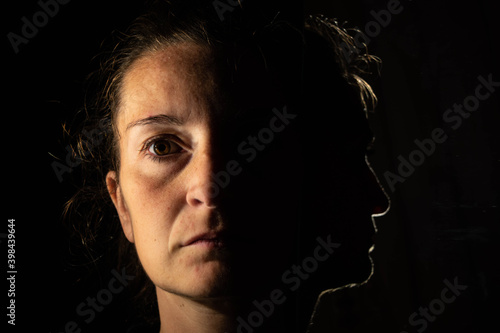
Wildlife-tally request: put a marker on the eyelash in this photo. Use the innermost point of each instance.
(147, 145)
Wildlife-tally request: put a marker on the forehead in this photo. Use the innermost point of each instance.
(178, 80)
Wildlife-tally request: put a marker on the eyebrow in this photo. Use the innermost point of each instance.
(161, 119)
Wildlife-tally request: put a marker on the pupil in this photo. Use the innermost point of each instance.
(162, 148)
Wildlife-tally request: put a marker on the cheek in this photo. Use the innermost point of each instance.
(153, 205)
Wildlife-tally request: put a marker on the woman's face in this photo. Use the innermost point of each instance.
(174, 136)
(163, 189)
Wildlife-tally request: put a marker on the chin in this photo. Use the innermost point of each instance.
(208, 280)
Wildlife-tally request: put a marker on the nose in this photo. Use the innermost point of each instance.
(200, 191)
(378, 198)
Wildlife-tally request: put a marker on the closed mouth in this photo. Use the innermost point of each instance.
(208, 239)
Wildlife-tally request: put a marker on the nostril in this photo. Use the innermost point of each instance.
(197, 201)
(379, 209)
(382, 204)
(200, 200)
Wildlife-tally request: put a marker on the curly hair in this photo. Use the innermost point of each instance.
(90, 212)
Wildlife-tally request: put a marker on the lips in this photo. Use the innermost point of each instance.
(208, 238)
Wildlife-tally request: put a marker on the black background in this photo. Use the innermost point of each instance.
(444, 219)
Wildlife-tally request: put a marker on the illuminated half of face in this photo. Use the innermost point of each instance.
(162, 188)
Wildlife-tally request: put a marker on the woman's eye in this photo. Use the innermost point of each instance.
(164, 147)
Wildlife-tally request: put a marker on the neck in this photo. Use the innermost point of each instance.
(183, 314)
